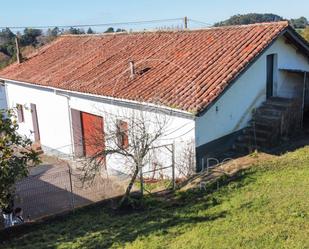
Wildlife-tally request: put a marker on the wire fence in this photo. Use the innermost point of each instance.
(55, 187)
(61, 189)
(159, 173)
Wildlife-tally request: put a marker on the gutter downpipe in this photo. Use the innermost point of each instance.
(70, 121)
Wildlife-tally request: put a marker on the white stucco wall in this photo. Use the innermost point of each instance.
(232, 111)
(52, 115)
(54, 124)
(3, 103)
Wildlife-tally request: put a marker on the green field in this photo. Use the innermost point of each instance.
(267, 206)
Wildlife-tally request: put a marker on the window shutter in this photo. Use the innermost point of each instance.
(20, 113)
(122, 134)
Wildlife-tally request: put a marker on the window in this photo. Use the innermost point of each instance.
(122, 134)
(20, 113)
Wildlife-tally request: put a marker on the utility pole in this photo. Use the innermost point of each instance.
(18, 54)
(185, 21)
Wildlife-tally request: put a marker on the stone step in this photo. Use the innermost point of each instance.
(264, 127)
(278, 102)
(251, 140)
(265, 117)
(278, 107)
(244, 147)
(266, 110)
(259, 132)
(269, 124)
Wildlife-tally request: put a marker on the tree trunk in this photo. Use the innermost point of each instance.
(129, 188)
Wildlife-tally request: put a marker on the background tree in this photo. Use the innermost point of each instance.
(305, 33)
(299, 23)
(30, 36)
(109, 30)
(6, 35)
(120, 30)
(53, 33)
(250, 19)
(90, 31)
(15, 156)
(75, 31)
(7, 42)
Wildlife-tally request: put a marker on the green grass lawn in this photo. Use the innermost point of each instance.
(267, 206)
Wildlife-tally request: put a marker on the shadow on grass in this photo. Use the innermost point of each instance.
(100, 227)
(144, 226)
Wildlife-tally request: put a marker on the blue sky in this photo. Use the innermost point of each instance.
(72, 12)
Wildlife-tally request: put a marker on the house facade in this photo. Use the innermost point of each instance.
(206, 83)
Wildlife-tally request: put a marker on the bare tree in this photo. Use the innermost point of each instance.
(186, 163)
(129, 137)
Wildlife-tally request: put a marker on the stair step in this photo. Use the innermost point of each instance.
(266, 110)
(244, 147)
(266, 117)
(264, 128)
(279, 102)
(258, 131)
(252, 141)
(264, 124)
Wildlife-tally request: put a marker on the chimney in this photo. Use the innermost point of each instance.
(18, 54)
(132, 69)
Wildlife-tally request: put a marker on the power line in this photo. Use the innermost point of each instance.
(96, 24)
(107, 24)
(200, 22)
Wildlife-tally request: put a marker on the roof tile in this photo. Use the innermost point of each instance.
(186, 69)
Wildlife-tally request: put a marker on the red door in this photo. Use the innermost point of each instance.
(93, 134)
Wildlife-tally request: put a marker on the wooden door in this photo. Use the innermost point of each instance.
(35, 122)
(93, 134)
(270, 76)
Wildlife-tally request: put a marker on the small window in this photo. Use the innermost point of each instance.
(122, 134)
(20, 113)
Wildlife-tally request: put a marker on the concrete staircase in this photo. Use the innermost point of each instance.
(274, 120)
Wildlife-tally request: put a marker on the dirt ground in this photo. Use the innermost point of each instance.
(231, 167)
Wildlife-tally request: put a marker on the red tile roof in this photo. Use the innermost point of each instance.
(184, 69)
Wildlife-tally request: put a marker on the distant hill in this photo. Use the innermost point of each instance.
(250, 19)
(298, 23)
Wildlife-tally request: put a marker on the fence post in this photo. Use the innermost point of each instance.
(71, 189)
(142, 181)
(173, 167)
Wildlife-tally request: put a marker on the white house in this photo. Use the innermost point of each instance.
(207, 82)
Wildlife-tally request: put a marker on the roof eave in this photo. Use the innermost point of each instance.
(126, 102)
(288, 31)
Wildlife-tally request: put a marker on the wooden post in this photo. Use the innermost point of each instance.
(71, 188)
(18, 54)
(173, 167)
(185, 21)
(142, 181)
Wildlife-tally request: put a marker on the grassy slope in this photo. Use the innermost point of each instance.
(267, 207)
